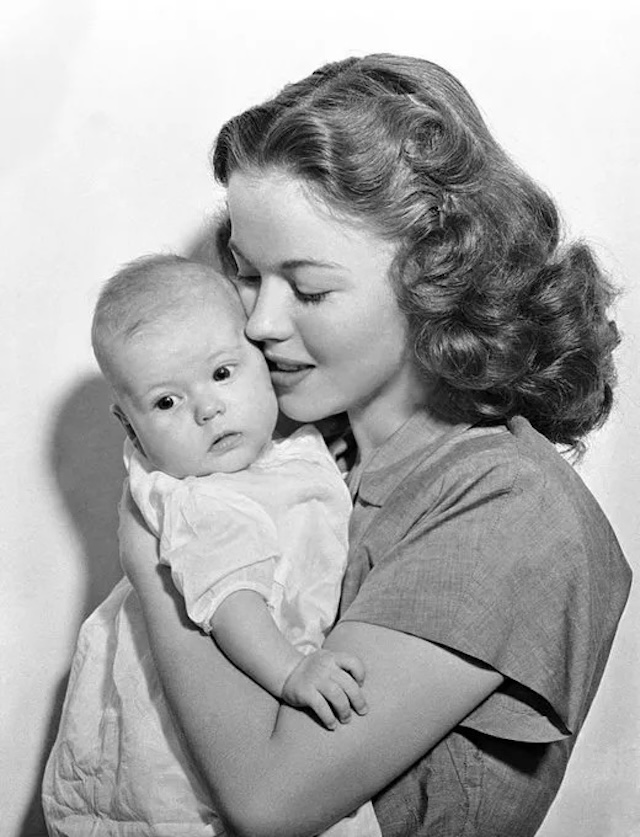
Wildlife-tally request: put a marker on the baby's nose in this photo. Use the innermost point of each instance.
(207, 409)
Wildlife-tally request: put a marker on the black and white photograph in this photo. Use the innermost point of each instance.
(321, 424)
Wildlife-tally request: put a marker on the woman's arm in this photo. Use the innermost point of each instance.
(302, 777)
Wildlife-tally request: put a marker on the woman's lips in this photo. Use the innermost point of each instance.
(286, 373)
(289, 375)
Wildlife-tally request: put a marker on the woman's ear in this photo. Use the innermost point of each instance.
(117, 411)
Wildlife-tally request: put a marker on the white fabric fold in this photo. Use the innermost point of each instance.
(118, 767)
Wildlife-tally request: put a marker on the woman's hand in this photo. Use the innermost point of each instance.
(138, 546)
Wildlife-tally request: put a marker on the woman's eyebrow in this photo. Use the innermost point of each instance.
(292, 264)
(289, 264)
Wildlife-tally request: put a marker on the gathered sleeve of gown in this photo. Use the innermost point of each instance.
(215, 540)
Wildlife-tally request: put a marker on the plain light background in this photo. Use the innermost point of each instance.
(108, 109)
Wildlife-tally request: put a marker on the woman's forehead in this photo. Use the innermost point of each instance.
(276, 219)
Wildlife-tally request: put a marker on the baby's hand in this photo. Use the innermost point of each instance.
(329, 683)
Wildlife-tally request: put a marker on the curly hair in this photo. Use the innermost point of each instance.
(503, 318)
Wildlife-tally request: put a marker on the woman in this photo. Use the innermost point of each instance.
(395, 265)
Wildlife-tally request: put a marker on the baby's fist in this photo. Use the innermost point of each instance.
(328, 683)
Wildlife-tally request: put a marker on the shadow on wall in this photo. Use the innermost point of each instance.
(86, 461)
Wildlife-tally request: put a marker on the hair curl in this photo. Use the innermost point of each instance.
(504, 320)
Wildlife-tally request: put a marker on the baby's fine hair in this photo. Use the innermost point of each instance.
(503, 319)
(143, 291)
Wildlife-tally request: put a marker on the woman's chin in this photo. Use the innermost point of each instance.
(296, 413)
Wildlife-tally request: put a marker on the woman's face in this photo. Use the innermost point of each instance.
(320, 304)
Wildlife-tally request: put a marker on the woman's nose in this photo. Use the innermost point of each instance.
(268, 312)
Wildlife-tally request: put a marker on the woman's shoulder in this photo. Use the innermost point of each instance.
(547, 489)
(500, 485)
(530, 513)
(509, 458)
(478, 461)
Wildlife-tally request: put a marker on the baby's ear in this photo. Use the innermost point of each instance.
(117, 411)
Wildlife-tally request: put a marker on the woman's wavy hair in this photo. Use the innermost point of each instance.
(503, 319)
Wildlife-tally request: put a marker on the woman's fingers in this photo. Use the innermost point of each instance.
(129, 513)
(138, 546)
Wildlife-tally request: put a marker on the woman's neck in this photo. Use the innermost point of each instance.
(377, 421)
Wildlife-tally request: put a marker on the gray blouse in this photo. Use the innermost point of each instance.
(487, 542)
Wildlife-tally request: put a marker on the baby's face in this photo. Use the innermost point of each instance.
(196, 392)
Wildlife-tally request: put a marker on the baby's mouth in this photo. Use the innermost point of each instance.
(225, 441)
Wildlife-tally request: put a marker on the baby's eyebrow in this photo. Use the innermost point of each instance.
(154, 390)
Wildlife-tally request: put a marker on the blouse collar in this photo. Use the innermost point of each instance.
(374, 479)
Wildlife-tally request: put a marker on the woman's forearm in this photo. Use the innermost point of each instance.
(226, 717)
(257, 777)
(274, 771)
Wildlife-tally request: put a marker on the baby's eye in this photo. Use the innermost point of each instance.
(222, 373)
(167, 402)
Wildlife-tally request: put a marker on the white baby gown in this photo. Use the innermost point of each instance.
(118, 767)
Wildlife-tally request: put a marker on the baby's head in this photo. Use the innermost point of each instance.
(191, 390)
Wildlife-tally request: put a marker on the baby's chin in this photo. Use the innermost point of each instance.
(236, 457)
(181, 470)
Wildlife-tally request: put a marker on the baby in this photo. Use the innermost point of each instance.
(253, 529)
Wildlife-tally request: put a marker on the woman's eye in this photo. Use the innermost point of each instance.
(167, 402)
(311, 299)
(222, 373)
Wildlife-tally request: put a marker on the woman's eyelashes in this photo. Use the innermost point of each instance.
(310, 298)
(253, 280)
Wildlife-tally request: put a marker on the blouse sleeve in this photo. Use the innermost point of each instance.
(512, 568)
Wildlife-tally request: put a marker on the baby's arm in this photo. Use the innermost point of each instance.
(213, 541)
(324, 681)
